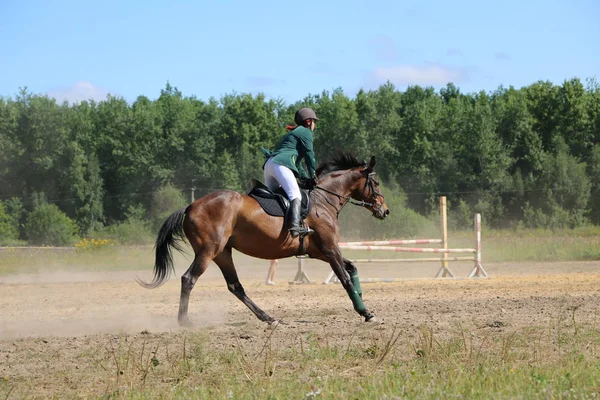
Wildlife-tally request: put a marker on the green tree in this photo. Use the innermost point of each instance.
(48, 225)
(247, 124)
(484, 160)
(515, 153)
(165, 200)
(543, 104)
(119, 169)
(563, 191)
(594, 174)
(8, 228)
(417, 144)
(573, 120)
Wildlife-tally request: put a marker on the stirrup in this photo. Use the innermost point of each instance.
(296, 231)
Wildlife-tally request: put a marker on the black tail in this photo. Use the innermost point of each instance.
(169, 235)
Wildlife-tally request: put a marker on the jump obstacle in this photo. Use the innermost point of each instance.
(384, 245)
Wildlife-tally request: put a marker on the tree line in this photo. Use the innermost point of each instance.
(528, 156)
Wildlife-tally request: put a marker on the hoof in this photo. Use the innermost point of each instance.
(371, 318)
(275, 323)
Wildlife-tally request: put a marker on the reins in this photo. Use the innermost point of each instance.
(348, 199)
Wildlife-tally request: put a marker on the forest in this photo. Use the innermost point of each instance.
(522, 157)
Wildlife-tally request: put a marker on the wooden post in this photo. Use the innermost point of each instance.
(478, 270)
(301, 276)
(444, 271)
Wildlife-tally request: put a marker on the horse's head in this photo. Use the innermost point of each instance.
(367, 190)
(348, 178)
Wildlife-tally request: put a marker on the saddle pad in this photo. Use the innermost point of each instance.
(277, 205)
(271, 206)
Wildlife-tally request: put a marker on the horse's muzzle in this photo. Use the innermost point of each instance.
(381, 213)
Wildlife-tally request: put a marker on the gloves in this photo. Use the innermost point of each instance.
(308, 183)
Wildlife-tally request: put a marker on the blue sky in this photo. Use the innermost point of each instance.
(74, 49)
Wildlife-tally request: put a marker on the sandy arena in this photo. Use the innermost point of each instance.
(51, 323)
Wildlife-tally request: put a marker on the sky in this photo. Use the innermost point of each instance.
(75, 50)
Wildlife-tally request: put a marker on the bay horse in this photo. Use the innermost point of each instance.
(224, 220)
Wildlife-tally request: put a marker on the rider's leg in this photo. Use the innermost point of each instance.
(285, 177)
(288, 182)
(269, 174)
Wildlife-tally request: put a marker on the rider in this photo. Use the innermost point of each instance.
(283, 165)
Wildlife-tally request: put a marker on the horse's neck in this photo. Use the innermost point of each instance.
(341, 185)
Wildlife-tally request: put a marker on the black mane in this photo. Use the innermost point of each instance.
(338, 162)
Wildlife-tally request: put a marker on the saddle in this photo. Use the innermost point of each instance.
(276, 203)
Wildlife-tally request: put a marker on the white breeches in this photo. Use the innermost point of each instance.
(278, 175)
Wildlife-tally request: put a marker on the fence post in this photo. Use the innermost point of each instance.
(444, 271)
(478, 270)
(301, 276)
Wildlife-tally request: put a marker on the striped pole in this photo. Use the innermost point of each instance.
(410, 249)
(369, 280)
(423, 259)
(390, 242)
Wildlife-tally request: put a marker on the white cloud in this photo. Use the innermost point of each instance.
(79, 92)
(419, 75)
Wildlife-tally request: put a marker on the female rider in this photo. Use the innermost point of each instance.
(283, 165)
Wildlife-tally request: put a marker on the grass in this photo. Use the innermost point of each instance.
(24, 260)
(557, 361)
(534, 245)
(581, 244)
(544, 362)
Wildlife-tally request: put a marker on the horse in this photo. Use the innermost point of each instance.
(224, 220)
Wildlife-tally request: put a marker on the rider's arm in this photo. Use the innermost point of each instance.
(301, 169)
(309, 159)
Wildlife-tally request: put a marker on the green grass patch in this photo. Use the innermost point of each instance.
(556, 361)
(27, 260)
(582, 244)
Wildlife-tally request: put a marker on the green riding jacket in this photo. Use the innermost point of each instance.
(296, 145)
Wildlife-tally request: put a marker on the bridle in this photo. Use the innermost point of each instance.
(370, 183)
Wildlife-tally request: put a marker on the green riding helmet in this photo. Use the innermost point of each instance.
(304, 114)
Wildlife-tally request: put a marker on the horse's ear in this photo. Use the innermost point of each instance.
(371, 166)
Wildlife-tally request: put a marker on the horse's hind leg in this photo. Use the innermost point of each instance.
(225, 262)
(188, 280)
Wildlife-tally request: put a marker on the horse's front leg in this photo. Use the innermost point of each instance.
(347, 274)
(353, 272)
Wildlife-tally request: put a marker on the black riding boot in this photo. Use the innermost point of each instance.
(296, 228)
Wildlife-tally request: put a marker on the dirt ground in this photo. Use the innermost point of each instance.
(52, 325)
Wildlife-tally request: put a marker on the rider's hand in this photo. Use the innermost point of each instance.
(308, 183)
